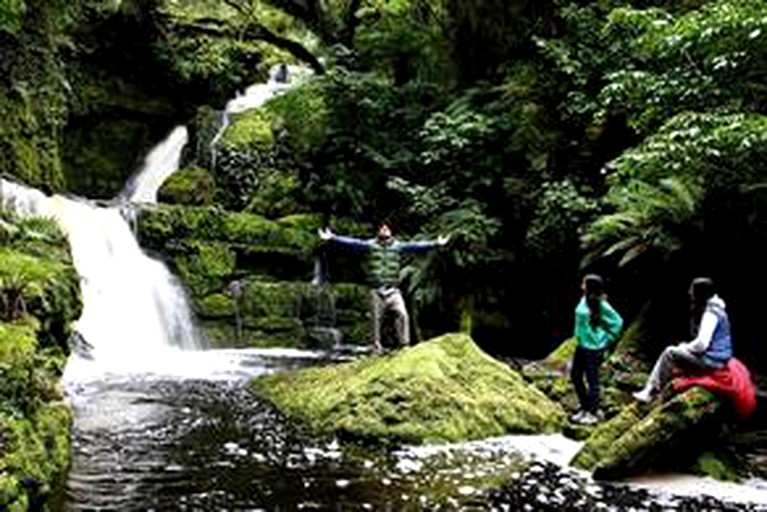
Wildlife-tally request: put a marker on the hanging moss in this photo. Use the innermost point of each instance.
(445, 389)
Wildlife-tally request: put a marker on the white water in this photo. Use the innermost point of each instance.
(256, 95)
(133, 308)
(162, 161)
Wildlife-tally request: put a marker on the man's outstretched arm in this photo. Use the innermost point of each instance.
(423, 246)
(353, 243)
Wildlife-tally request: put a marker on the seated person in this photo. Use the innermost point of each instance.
(711, 349)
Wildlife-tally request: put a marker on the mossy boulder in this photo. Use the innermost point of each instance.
(190, 186)
(641, 438)
(252, 129)
(250, 277)
(442, 390)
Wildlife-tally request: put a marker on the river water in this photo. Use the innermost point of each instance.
(186, 432)
(195, 437)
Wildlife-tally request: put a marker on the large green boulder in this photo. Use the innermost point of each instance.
(442, 390)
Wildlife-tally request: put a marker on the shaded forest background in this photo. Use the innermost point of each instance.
(550, 138)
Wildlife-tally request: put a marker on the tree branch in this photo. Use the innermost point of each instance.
(254, 31)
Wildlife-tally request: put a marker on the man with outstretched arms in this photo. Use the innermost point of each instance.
(384, 265)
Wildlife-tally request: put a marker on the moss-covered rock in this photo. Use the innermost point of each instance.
(39, 298)
(445, 389)
(275, 194)
(252, 129)
(674, 432)
(190, 186)
(245, 153)
(241, 267)
(162, 227)
(303, 111)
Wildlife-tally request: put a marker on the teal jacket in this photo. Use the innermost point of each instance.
(606, 333)
(384, 261)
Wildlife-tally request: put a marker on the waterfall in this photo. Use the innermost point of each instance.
(162, 161)
(132, 305)
(281, 78)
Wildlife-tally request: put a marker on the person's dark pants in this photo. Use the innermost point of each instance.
(586, 363)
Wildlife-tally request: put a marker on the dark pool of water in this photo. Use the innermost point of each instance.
(148, 442)
(153, 442)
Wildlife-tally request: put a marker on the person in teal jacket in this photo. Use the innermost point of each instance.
(384, 265)
(597, 326)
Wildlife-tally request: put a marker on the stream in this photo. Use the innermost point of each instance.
(185, 431)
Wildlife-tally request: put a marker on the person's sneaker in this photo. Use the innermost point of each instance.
(645, 395)
(578, 416)
(589, 419)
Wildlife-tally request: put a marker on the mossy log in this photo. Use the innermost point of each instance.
(442, 390)
(637, 441)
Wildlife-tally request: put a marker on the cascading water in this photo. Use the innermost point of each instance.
(160, 163)
(281, 78)
(132, 305)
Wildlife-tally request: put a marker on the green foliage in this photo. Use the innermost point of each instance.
(442, 390)
(404, 39)
(708, 58)
(245, 153)
(648, 218)
(36, 278)
(303, 113)
(276, 195)
(224, 56)
(562, 211)
(668, 189)
(12, 15)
